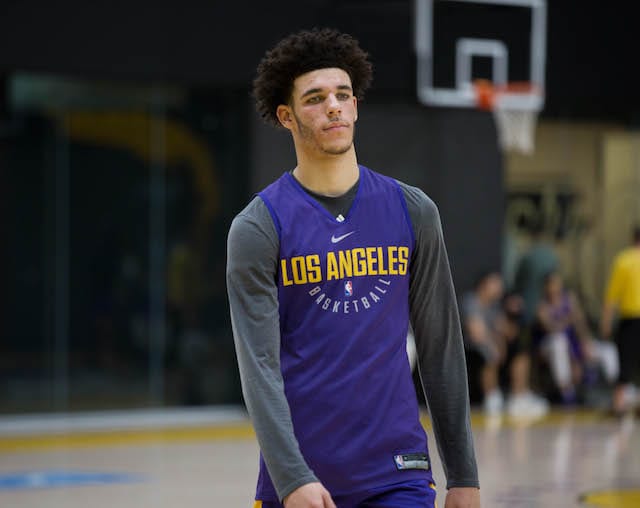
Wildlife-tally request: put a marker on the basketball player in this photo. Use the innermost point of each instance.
(326, 269)
(622, 298)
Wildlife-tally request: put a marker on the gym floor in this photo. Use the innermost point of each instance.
(208, 458)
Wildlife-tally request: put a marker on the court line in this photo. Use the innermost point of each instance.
(553, 418)
(185, 434)
(124, 438)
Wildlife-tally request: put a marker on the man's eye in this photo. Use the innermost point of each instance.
(343, 96)
(314, 100)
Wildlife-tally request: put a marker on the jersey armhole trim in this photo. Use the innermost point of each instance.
(272, 212)
(405, 208)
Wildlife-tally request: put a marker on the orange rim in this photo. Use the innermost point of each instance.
(486, 92)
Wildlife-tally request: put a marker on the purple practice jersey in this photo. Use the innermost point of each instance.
(343, 289)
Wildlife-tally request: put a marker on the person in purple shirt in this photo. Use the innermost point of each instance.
(326, 270)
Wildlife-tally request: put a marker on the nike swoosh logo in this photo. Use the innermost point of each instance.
(336, 239)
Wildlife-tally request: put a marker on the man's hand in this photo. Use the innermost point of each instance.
(463, 497)
(310, 495)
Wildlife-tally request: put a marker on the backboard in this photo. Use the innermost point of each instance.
(460, 41)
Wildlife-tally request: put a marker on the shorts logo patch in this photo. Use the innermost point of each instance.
(412, 461)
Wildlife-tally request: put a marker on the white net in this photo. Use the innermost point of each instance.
(515, 122)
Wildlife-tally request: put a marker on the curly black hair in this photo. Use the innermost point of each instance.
(303, 52)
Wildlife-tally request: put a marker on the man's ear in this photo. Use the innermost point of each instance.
(355, 103)
(285, 116)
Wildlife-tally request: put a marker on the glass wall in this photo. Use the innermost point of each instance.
(116, 200)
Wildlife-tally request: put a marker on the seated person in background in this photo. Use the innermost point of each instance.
(492, 342)
(564, 342)
(480, 314)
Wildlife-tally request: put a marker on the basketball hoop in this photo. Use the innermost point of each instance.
(515, 108)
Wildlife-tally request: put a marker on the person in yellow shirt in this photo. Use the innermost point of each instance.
(622, 298)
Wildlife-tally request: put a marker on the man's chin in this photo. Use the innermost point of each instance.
(337, 150)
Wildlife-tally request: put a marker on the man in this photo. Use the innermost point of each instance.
(483, 338)
(326, 268)
(492, 335)
(623, 298)
(539, 260)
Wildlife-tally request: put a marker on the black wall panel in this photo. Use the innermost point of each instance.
(591, 45)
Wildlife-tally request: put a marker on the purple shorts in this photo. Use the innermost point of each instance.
(414, 494)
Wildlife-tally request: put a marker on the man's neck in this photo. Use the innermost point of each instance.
(330, 176)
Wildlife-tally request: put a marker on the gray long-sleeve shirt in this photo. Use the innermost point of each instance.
(252, 255)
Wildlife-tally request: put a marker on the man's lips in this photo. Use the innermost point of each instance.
(336, 126)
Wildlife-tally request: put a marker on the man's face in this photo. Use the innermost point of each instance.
(322, 112)
(494, 286)
(554, 285)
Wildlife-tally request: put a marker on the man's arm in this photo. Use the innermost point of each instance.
(441, 360)
(611, 298)
(606, 320)
(252, 251)
(579, 318)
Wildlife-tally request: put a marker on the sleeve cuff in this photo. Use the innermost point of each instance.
(474, 483)
(289, 488)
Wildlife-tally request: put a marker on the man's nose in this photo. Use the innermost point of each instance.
(333, 105)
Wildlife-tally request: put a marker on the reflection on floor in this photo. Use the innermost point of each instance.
(208, 457)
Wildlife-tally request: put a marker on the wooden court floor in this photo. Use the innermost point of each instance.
(208, 458)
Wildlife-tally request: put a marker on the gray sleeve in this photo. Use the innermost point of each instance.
(438, 335)
(252, 252)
